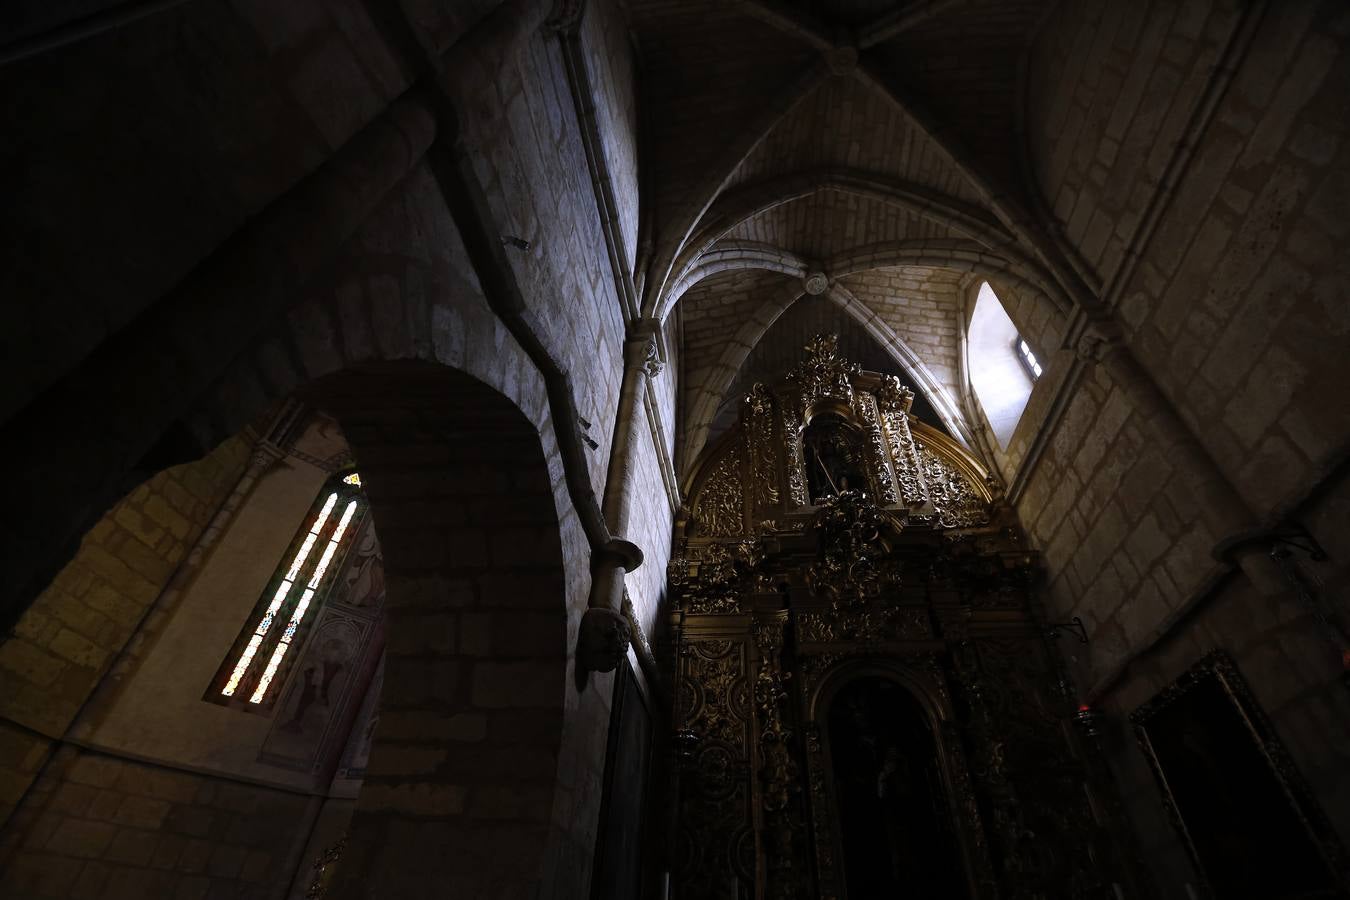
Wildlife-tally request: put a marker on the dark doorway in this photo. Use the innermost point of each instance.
(894, 818)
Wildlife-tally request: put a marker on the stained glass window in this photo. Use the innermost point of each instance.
(296, 590)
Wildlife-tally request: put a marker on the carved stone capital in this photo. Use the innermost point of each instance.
(842, 60)
(602, 640)
(565, 17)
(642, 350)
(1098, 341)
(265, 455)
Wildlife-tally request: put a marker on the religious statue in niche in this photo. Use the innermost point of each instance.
(895, 822)
(832, 453)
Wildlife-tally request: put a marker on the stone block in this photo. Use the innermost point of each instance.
(92, 881)
(412, 799)
(193, 887)
(94, 770)
(30, 663)
(142, 812)
(498, 685)
(132, 847)
(193, 821)
(226, 861)
(195, 855)
(82, 838)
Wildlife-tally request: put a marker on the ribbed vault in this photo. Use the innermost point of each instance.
(869, 143)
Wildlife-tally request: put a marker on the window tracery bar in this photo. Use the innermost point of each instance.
(283, 590)
(1029, 358)
(300, 608)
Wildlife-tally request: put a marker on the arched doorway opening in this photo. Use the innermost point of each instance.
(459, 790)
(896, 829)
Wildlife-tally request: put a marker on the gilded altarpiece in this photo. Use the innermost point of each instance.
(891, 569)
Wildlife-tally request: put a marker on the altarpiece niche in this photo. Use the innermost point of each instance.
(864, 703)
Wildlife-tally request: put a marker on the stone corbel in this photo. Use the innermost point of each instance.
(604, 634)
(1098, 341)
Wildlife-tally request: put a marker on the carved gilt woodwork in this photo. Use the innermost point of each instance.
(762, 471)
(780, 602)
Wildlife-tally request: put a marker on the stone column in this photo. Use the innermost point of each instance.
(1222, 510)
(605, 629)
(604, 633)
(641, 361)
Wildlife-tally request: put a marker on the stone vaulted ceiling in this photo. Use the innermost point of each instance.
(874, 141)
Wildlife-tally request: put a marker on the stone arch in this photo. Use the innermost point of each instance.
(730, 256)
(422, 333)
(710, 394)
(403, 309)
(459, 792)
(960, 255)
(743, 203)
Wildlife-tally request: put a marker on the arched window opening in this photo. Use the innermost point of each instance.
(297, 589)
(1002, 364)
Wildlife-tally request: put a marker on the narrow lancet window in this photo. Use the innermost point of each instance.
(1002, 365)
(298, 587)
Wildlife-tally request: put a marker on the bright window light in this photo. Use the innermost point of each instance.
(1029, 359)
(1002, 366)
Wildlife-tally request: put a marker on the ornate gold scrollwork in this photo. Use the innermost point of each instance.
(778, 772)
(905, 457)
(825, 375)
(763, 458)
(719, 510)
(955, 500)
(902, 580)
(876, 449)
(850, 562)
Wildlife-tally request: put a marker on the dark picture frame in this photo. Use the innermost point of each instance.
(620, 842)
(1246, 817)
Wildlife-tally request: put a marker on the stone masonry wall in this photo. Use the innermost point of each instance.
(1248, 238)
(220, 107)
(921, 305)
(1238, 306)
(105, 828)
(1112, 86)
(1235, 305)
(610, 57)
(528, 157)
(1236, 310)
(64, 643)
(1285, 656)
(483, 738)
(1122, 532)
